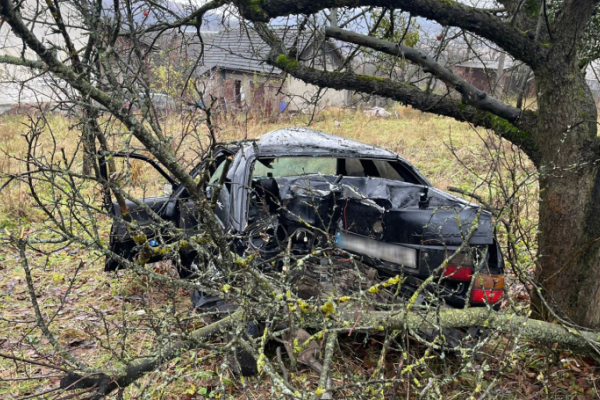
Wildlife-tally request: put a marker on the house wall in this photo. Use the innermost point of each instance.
(300, 95)
(483, 80)
(477, 77)
(40, 89)
(244, 92)
(259, 94)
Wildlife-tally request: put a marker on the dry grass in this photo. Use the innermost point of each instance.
(130, 302)
(420, 138)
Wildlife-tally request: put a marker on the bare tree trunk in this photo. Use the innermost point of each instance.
(569, 239)
(499, 88)
(522, 89)
(89, 142)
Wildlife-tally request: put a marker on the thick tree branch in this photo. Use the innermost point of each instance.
(516, 132)
(570, 23)
(533, 329)
(451, 13)
(470, 94)
(537, 331)
(23, 62)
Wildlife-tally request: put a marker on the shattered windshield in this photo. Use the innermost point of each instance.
(282, 167)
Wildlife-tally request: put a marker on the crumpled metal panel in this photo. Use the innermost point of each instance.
(448, 220)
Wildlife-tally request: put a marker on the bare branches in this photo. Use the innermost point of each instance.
(404, 93)
(471, 95)
(39, 318)
(194, 18)
(537, 331)
(482, 23)
(105, 384)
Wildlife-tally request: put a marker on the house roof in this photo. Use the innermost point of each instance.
(240, 50)
(244, 50)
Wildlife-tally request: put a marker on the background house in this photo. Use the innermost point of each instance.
(491, 77)
(232, 68)
(27, 86)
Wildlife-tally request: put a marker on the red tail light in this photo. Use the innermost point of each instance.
(487, 289)
(458, 273)
(486, 296)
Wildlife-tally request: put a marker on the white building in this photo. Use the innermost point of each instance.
(23, 85)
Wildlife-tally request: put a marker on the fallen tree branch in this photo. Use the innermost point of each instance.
(106, 383)
(538, 331)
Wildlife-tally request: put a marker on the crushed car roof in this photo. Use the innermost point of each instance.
(304, 141)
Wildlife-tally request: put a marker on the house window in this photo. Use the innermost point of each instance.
(238, 91)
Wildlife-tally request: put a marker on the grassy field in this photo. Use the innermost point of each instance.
(422, 139)
(449, 153)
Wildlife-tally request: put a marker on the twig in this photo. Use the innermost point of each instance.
(39, 394)
(32, 362)
(325, 383)
(284, 371)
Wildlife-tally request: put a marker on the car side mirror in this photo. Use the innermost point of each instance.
(168, 189)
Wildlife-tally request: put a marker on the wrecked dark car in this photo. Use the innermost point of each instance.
(293, 189)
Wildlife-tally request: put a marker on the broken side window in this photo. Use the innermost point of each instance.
(387, 171)
(294, 166)
(217, 174)
(354, 167)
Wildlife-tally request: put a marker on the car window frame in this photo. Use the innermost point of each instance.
(177, 195)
